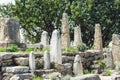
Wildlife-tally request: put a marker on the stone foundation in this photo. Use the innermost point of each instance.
(12, 62)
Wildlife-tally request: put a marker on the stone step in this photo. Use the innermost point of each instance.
(25, 76)
(86, 77)
(11, 76)
(21, 61)
(43, 71)
(15, 69)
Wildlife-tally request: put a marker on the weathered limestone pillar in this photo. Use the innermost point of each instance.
(98, 38)
(77, 66)
(32, 61)
(45, 39)
(77, 36)
(116, 48)
(55, 48)
(46, 60)
(65, 37)
(9, 31)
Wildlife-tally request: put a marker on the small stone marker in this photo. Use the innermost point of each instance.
(77, 66)
(45, 39)
(32, 61)
(77, 36)
(46, 60)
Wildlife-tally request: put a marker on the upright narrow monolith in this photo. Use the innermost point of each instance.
(45, 39)
(116, 48)
(55, 48)
(77, 36)
(32, 61)
(65, 36)
(98, 38)
(46, 60)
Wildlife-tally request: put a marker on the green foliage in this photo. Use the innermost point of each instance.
(29, 49)
(67, 77)
(81, 12)
(82, 47)
(37, 78)
(12, 48)
(108, 73)
(101, 64)
(2, 50)
(87, 72)
(70, 49)
(45, 49)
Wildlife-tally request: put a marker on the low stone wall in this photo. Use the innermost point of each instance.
(11, 63)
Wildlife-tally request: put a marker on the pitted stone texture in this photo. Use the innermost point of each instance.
(108, 59)
(98, 38)
(15, 69)
(65, 36)
(8, 62)
(5, 56)
(77, 36)
(25, 76)
(9, 31)
(116, 48)
(21, 61)
(40, 72)
(64, 69)
(87, 77)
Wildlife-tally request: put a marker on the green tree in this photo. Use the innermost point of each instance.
(38, 15)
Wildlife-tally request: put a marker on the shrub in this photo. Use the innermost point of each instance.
(87, 72)
(108, 73)
(12, 48)
(37, 78)
(45, 49)
(82, 47)
(70, 49)
(29, 49)
(101, 64)
(2, 50)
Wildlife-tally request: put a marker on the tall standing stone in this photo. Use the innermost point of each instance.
(116, 48)
(32, 61)
(77, 66)
(9, 32)
(98, 38)
(46, 60)
(77, 36)
(55, 48)
(65, 37)
(45, 39)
